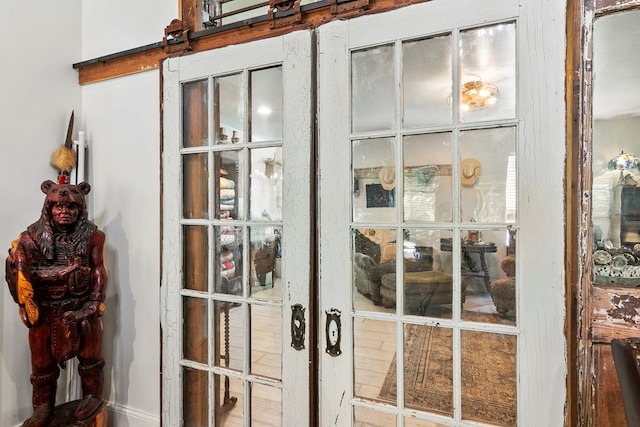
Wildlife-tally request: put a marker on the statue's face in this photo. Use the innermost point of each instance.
(65, 213)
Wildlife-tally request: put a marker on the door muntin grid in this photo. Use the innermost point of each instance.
(453, 209)
(231, 235)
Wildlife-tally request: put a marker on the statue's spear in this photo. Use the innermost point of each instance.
(64, 157)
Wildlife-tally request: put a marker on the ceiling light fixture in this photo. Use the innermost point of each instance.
(264, 110)
(476, 94)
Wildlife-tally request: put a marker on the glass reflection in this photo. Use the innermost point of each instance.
(229, 184)
(428, 278)
(230, 334)
(195, 255)
(615, 191)
(428, 187)
(266, 184)
(266, 406)
(426, 82)
(488, 73)
(488, 268)
(196, 339)
(374, 269)
(428, 369)
(372, 350)
(489, 378)
(195, 186)
(366, 417)
(266, 104)
(488, 175)
(195, 397)
(414, 422)
(374, 180)
(229, 109)
(266, 341)
(230, 400)
(266, 262)
(195, 124)
(373, 80)
(228, 252)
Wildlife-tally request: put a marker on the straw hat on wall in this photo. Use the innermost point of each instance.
(469, 171)
(387, 177)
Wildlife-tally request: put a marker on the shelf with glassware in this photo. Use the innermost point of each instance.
(229, 135)
(229, 236)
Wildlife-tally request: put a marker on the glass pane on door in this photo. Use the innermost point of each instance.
(427, 69)
(428, 279)
(487, 69)
(428, 369)
(229, 184)
(371, 353)
(266, 104)
(428, 183)
(229, 109)
(372, 77)
(195, 98)
(232, 229)
(374, 194)
(489, 378)
(433, 248)
(195, 183)
(487, 175)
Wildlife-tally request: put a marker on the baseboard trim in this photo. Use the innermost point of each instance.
(124, 415)
(120, 415)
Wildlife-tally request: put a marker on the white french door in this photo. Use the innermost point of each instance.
(441, 129)
(236, 234)
(440, 145)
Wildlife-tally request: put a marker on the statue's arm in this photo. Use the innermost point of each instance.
(98, 274)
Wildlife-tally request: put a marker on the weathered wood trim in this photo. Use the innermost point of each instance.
(602, 313)
(582, 141)
(148, 58)
(607, 400)
(615, 314)
(136, 62)
(572, 273)
(604, 6)
(189, 14)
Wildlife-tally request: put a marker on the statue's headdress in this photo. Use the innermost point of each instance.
(64, 157)
(42, 231)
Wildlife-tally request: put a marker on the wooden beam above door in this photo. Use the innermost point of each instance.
(147, 58)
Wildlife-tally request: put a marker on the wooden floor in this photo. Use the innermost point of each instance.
(266, 356)
(373, 353)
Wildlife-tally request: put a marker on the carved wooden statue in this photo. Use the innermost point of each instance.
(56, 274)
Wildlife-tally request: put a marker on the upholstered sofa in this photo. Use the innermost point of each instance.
(424, 288)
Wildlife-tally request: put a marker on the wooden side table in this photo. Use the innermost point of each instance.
(468, 248)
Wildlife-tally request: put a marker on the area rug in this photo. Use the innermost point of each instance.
(488, 374)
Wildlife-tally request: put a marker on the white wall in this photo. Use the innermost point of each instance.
(122, 121)
(113, 26)
(38, 91)
(39, 88)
